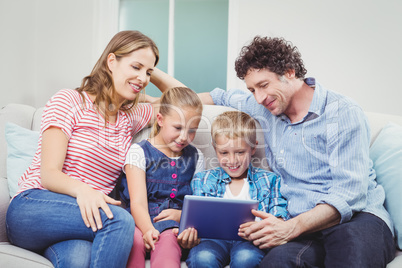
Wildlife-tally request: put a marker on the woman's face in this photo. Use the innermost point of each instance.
(131, 73)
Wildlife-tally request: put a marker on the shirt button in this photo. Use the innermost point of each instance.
(174, 176)
(172, 195)
(282, 151)
(173, 163)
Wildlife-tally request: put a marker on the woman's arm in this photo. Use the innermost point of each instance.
(163, 81)
(137, 189)
(53, 153)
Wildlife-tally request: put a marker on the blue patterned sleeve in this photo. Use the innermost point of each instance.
(197, 183)
(235, 98)
(277, 203)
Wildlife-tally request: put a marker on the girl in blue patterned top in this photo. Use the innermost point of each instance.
(159, 171)
(234, 137)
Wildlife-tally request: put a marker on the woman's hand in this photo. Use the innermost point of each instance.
(188, 238)
(54, 149)
(168, 214)
(150, 238)
(89, 202)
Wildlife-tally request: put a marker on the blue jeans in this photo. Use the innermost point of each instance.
(364, 241)
(51, 224)
(219, 253)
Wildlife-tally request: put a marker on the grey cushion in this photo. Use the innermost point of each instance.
(4, 201)
(12, 256)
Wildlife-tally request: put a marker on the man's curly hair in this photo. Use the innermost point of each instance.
(274, 54)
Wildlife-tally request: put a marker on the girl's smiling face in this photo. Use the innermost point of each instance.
(177, 130)
(131, 73)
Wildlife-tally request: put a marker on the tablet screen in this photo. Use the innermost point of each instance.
(216, 218)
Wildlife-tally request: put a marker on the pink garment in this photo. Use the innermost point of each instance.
(96, 151)
(167, 251)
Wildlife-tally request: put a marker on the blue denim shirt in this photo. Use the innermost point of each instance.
(167, 181)
(323, 158)
(264, 187)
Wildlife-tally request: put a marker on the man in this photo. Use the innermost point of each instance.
(318, 141)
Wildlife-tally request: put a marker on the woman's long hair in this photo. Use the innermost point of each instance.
(100, 82)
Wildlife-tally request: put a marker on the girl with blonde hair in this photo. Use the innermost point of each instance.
(158, 175)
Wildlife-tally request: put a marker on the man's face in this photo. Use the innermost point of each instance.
(270, 90)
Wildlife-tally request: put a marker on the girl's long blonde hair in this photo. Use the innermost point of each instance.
(177, 98)
(100, 82)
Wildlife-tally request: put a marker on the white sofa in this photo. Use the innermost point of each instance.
(29, 117)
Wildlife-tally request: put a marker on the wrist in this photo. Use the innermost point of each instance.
(296, 228)
(80, 188)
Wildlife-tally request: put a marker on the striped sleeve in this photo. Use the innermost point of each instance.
(140, 116)
(62, 110)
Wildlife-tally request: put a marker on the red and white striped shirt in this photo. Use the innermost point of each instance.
(95, 151)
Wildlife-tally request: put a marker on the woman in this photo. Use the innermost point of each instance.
(62, 209)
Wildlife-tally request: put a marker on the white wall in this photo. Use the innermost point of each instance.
(47, 45)
(351, 46)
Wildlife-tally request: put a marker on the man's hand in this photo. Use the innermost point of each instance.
(267, 233)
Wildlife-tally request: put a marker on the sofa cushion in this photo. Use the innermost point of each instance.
(4, 202)
(19, 114)
(386, 153)
(21, 148)
(12, 256)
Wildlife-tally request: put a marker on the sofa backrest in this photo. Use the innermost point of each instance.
(30, 117)
(379, 120)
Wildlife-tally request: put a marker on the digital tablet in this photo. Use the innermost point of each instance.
(216, 218)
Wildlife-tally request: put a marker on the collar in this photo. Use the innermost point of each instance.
(317, 105)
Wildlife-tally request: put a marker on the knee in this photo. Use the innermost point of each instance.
(246, 258)
(81, 260)
(202, 258)
(70, 253)
(124, 220)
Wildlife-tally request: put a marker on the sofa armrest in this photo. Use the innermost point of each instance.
(4, 202)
